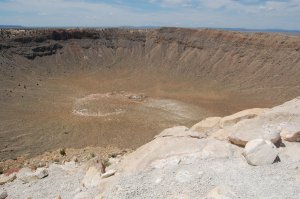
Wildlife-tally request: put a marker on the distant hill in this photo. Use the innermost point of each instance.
(10, 26)
(292, 32)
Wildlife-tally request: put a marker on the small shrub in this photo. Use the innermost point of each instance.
(113, 155)
(92, 155)
(105, 163)
(63, 152)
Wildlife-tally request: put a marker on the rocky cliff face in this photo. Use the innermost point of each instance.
(256, 62)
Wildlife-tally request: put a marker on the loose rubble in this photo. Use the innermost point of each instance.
(251, 154)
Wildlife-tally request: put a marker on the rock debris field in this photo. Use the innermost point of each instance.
(213, 159)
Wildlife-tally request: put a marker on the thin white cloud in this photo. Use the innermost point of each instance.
(188, 13)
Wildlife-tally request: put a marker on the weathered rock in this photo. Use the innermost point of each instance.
(290, 136)
(256, 128)
(260, 152)
(289, 153)
(221, 192)
(3, 194)
(5, 179)
(207, 124)
(170, 151)
(242, 115)
(178, 131)
(220, 134)
(92, 177)
(27, 175)
(41, 173)
(268, 124)
(219, 149)
(108, 174)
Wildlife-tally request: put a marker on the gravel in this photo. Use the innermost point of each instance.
(63, 180)
(280, 180)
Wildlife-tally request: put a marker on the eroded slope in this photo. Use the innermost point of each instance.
(44, 73)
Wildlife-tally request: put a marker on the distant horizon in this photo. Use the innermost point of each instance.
(242, 14)
(8, 26)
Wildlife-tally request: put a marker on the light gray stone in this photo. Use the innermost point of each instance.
(108, 174)
(92, 177)
(260, 152)
(5, 179)
(290, 136)
(41, 173)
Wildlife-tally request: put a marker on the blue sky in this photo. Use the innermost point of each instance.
(260, 14)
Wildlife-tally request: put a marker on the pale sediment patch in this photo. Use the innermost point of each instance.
(101, 105)
(173, 107)
(116, 103)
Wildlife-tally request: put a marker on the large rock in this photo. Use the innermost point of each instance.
(208, 124)
(179, 131)
(221, 134)
(92, 177)
(291, 136)
(41, 173)
(242, 115)
(268, 125)
(214, 149)
(109, 173)
(289, 153)
(246, 131)
(171, 150)
(27, 175)
(260, 152)
(5, 179)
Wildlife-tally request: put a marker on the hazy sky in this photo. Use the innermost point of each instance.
(283, 14)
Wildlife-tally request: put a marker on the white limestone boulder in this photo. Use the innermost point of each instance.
(242, 115)
(179, 131)
(27, 175)
(290, 135)
(257, 128)
(269, 124)
(260, 152)
(92, 177)
(208, 124)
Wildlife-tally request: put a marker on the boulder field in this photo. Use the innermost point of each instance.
(251, 154)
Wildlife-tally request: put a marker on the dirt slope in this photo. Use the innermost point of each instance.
(43, 73)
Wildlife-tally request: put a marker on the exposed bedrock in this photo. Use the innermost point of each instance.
(252, 62)
(47, 77)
